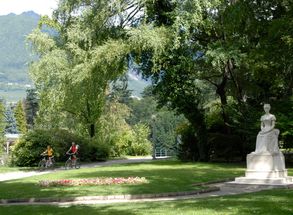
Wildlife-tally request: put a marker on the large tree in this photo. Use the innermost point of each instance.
(81, 55)
(224, 51)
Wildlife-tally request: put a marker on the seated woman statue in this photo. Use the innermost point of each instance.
(267, 138)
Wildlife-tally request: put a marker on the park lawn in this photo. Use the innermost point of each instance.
(162, 176)
(5, 169)
(265, 202)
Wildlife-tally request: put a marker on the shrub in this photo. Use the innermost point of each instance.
(27, 150)
(95, 150)
(140, 145)
(187, 148)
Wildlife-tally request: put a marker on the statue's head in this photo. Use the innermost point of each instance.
(267, 108)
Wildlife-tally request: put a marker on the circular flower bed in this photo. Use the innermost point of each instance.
(92, 181)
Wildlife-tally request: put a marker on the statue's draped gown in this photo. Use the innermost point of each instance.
(267, 142)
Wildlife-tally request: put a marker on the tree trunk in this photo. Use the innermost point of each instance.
(221, 91)
(92, 130)
(202, 143)
(198, 123)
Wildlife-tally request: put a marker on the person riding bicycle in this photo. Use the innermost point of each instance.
(48, 153)
(73, 151)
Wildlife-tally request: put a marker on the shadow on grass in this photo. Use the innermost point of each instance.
(265, 202)
(80, 209)
(166, 177)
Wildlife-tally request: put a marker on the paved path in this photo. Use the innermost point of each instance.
(23, 174)
(20, 174)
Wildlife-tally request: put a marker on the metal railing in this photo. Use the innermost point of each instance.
(162, 152)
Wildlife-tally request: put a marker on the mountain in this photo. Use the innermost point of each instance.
(14, 57)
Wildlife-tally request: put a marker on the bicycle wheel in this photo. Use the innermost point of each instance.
(52, 163)
(42, 164)
(77, 163)
(68, 164)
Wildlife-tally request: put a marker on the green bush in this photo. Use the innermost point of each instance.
(119, 143)
(187, 148)
(27, 150)
(130, 141)
(95, 150)
(140, 145)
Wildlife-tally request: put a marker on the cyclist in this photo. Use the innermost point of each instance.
(48, 153)
(73, 151)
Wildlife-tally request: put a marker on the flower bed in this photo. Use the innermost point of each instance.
(92, 181)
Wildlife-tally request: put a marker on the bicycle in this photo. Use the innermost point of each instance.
(72, 163)
(45, 163)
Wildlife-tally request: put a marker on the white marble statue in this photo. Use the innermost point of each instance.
(267, 138)
(266, 165)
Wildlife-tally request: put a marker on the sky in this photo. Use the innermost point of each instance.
(42, 7)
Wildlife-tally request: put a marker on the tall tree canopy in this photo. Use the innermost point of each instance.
(199, 53)
(82, 53)
(238, 53)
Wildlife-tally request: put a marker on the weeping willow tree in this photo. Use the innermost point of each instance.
(83, 50)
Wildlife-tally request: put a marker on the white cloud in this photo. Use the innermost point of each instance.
(42, 7)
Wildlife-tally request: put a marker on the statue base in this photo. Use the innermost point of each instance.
(265, 168)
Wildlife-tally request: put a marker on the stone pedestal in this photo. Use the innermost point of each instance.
(265, 168)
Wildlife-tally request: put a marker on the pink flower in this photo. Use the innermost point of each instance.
(92, 181)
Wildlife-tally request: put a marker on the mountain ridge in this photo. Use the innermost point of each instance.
(15, 56)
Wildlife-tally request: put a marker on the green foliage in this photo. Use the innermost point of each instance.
(187, 144)
(164, 127)
(27, 151)
(284, 113)
(76, 66)
(20, 118)
(31, 107)
(2, 124)
(11, 126)
(142, 110)
(113, 129)
(161, 121)
(118, 135)
(218, 51)
(95, 150)
(89, 149)
(140, 145)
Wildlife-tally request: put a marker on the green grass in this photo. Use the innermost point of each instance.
(163, 176)
(5, 169)
(265, 202)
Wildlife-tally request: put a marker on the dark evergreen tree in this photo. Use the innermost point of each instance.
(20, 118)
(31, 106)
(10, 127)
(2, 123)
